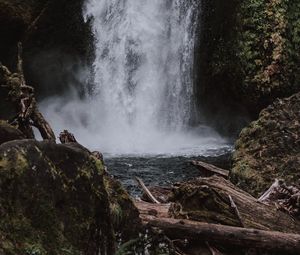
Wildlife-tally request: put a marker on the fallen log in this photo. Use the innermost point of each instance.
(207, 200)
(226, 235)
(209, 169)
(157, 210)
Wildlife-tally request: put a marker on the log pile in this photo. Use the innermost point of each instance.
(214, 212)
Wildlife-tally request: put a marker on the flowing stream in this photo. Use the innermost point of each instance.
(142, 102)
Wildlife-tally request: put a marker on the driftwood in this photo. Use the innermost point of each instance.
(162, 194)
(23, 98)
(212, 210)
(227, 235)
(146, 191)
(285, 198)
(157, 210)
(209, 169)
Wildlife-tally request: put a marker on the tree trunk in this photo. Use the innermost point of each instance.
(227, 235)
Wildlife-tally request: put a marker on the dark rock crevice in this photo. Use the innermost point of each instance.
(218, 105)
(56, 50)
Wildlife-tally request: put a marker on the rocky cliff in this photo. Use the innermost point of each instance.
(248, 56)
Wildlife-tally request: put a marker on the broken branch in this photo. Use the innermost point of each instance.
(146, 190)
(209, 169)
(236, 210)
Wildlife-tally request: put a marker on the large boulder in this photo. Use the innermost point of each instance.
(55, 199)
(9, 133)
(269, 148)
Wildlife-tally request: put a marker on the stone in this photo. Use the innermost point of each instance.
(269, 148)
(56, 199)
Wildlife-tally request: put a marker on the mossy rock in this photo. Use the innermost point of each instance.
(9, 133)
(254, 58)
(54, 200)
(125, 215)
(269, 148)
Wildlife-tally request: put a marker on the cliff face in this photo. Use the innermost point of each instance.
(213, 75)
(251, 55)
(267, 50)
(57, 47)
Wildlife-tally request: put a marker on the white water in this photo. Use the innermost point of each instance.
(142, 101)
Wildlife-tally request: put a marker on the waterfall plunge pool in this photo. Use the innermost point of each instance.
(143, 99)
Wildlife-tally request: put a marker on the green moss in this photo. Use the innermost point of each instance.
(52, 199)
(269, 148)
(18, 163)
(260, 58)
(124, 213)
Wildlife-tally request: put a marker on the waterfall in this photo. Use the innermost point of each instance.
(144, 59)
(143, 97)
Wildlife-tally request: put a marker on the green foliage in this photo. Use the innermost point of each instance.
(262, 54)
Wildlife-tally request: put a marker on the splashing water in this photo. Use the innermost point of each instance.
(143, 98)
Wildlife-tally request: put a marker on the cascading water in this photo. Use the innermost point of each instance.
(144, 59)
(143, 99)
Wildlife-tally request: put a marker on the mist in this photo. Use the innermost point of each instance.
(143, 99)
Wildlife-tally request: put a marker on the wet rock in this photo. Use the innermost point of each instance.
(269, 148)
(9, 133)
(54, 199)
